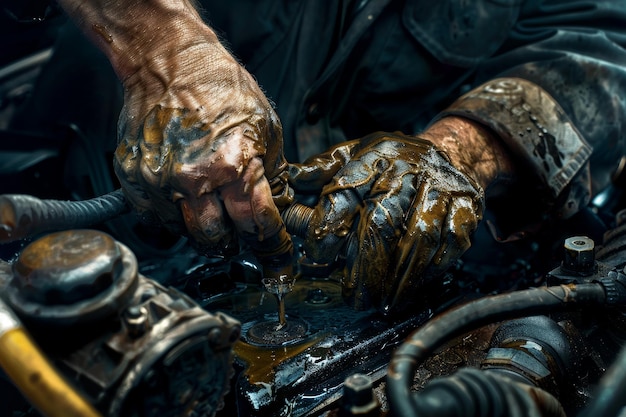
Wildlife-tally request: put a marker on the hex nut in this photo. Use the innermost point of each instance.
(579, 256)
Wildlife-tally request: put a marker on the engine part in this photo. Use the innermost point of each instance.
(358, 397)
(305, 375)
(472, 393)
(457, 321)
(535, 351)
(134, 347)
(579, 256)
(300, 372)
(33, 374)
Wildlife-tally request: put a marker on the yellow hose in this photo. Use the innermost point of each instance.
(33, 374)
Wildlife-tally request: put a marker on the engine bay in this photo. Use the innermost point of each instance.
(152, 328)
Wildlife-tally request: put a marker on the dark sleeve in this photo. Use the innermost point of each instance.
(555, 92)
(575, 50)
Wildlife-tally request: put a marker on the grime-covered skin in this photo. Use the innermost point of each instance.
(200, 151)
(200, 147)
(400, 208)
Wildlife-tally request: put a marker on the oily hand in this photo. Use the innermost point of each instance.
(395, 207)
(200, 151)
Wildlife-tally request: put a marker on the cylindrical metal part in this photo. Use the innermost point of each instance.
(297, 218)
(136, 321)
(72, 277)
(64, 268)
(579, 256)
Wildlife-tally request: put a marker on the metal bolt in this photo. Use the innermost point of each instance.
(215, 337)
(579, 255)
(358, 396)
(136, 321)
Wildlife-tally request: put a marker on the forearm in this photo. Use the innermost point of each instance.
(133, 33)
(582, 65)
(168, 59)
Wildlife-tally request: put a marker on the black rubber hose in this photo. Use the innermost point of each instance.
(455, 322)
(471, 392)
(22, 216)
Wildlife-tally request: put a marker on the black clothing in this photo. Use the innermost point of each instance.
(346, 69)
(342, 69)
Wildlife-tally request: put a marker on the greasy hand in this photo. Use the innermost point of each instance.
(397, 209)
(200, 147)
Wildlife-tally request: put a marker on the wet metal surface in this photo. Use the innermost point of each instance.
(305, 373)
(271, 333)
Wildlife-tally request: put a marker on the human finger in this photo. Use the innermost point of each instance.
(211, 234)
(368, 263)
(460, 223)
(380, 224)
(250, 206)
(317, 171)
(420, 241)
(151, 208)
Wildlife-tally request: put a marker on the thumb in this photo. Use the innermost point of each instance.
(317, 171)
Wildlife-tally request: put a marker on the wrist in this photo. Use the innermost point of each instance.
(472, 148)
(533, 128)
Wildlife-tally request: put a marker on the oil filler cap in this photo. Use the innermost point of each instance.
(67, 267)
(72, 276)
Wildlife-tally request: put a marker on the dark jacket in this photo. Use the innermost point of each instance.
(340, 69)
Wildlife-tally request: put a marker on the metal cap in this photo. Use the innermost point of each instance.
(66, 267)
(72, 277)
